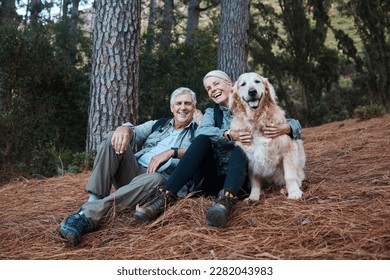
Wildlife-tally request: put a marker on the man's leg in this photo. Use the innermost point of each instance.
(138, 190)
(111, 169)
(96, 212)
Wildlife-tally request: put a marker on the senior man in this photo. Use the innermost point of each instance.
(134, 176)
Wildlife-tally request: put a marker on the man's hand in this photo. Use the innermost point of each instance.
(273, 131)
(121, 138)
(159, 160)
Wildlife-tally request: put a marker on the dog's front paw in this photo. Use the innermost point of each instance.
(295, 194)
(252, 199)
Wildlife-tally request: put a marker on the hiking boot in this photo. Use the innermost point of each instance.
(73, 228)
(156, 206)
(218, 214)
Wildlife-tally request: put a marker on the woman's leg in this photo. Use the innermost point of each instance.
(197, 163)
(193, 161)
(237, 171)
(218, 214)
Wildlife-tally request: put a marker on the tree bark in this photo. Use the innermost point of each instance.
(192, 19)
(233, 37)
(115, 68)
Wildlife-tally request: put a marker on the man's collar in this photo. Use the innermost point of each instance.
(171, 122)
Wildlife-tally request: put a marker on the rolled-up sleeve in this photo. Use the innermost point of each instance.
(296, 128)
(140, 132)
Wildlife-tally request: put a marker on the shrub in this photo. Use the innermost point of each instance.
(82, 161)
(43, 101)
(369, 111)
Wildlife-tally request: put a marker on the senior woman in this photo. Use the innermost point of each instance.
(215, 164)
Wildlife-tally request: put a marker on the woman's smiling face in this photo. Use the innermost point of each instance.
(218, 90)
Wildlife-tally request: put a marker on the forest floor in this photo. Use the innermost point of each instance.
(344, 213)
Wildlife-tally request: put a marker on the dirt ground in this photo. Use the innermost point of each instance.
(344, 214)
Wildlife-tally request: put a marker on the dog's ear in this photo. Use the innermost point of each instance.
(270, 91)
(235, 104)
(232, 96)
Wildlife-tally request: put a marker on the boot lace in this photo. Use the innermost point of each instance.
(226, 199)
(78, 222)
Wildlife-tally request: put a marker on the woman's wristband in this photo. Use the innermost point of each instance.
(228, 136)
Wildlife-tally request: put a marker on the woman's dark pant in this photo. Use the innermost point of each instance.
(199, 164)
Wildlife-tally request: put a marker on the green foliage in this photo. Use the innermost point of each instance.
(371, 18)
(290, 44)
(60, 158)
(290, 49)
(43, 98)
(83, 161)
(64, 161)
(182, 65)
(369, 111)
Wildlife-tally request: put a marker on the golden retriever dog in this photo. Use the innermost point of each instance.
(278, 160)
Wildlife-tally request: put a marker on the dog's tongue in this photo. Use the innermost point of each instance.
(254, 104)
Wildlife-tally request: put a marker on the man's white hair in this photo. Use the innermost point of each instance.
(182, 90)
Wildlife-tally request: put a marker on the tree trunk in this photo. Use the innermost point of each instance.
(8, 11)
(233, 37)
(115, 68)
(192, 19)
(75, 15)
(165, 40)
(150, 29)
(64, 8)
(35, 9)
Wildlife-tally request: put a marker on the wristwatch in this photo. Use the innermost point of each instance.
(175, 152)
(229, 137)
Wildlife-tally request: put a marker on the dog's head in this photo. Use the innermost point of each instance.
(251, 92)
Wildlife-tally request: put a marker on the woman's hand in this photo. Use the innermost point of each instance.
(273, 131)
(244, 137)
(121, 138)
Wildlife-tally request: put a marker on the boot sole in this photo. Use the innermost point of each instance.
(216, 217)
(141, 216)
(71, 238)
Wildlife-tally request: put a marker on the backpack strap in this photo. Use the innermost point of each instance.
(163, 121)
(193, 130)
(218, 116)
(160, 123)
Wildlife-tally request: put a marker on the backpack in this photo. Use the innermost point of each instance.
(218, 116)
(160, 123)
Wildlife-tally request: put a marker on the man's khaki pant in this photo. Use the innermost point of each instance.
(132, 185)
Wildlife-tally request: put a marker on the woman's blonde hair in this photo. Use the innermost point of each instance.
(219, 74)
